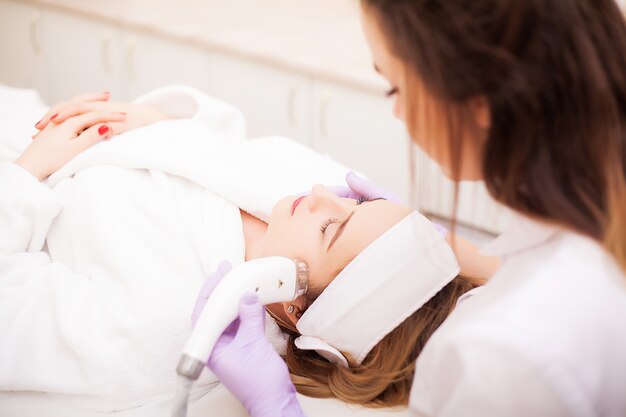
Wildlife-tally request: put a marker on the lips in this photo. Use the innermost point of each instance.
(295, 204)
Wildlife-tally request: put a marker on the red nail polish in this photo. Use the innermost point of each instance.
(103, 130)
(54, 116)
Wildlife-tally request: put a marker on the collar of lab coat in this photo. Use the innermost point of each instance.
(522, 233)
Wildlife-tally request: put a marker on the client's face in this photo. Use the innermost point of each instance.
(327, 232)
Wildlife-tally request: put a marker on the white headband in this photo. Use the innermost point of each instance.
(387, 282)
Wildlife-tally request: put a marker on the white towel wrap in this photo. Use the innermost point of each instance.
(387, 282)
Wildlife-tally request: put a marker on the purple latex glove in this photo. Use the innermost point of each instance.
(245, 361)
(360, 187)
(209, 285)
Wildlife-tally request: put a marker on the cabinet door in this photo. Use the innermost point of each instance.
(434, 194)
(274, 102)
(152, 61)
(84, 55)
(21, 50)
(358, 129)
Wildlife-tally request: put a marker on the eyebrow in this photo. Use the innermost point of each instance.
(339, 231)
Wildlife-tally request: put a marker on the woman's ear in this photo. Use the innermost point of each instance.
(295, 308)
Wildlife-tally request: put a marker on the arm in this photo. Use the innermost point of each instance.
(55, 328)
(27, 209)
(171, 102)
(473, 264)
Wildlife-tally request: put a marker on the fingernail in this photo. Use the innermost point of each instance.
(108, 93)
(38, 123)
(103, 130)
(54, 116)
(122, 113)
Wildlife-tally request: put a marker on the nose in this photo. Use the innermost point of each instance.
(322, 198)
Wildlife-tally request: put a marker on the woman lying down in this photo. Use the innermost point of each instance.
(104, 249)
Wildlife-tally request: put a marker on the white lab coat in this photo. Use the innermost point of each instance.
(545, 337)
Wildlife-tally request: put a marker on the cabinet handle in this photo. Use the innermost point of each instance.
(291, 105)
(34, 32)
(105, 52)
(324, 102)
(131, 45)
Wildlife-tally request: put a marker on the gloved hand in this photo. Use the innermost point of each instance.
(360, 187)
(209, 285)
(245, 361)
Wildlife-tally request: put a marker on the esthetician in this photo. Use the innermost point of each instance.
(529, 96)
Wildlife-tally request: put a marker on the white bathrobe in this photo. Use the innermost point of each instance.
(100, 265)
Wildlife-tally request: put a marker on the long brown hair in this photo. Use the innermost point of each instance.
(554, 75)
(385, 376)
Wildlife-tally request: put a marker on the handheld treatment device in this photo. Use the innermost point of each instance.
(274, 279)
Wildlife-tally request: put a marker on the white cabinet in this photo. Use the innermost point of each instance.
(151, 61)
(22, 56)
(434, 194)
(84, 55)
(274, 101)
(358, 129)
(89, 55)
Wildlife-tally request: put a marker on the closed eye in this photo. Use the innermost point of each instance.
(327, 223)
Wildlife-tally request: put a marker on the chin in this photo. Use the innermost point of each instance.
(282, 209)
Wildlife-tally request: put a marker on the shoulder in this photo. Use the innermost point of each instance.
(484, 371)
(550, 322)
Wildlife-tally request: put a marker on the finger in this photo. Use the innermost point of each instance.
(368, 189)
(356, 183)
(222, 343)
(251, 316)
(51, 114)
(342, 191)
(76, 109)
(209, 285)
(91, 136)
(87, 120)
(54, 110)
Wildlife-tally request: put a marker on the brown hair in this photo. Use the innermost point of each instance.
(385, 376)
(553, 74)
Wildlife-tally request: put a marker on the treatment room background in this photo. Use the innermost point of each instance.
(296, 68)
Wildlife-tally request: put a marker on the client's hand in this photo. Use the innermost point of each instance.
(137, 115)
(245, 361)
(360, 187)
(56, 145)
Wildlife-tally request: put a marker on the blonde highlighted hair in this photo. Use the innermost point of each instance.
(385, 376)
